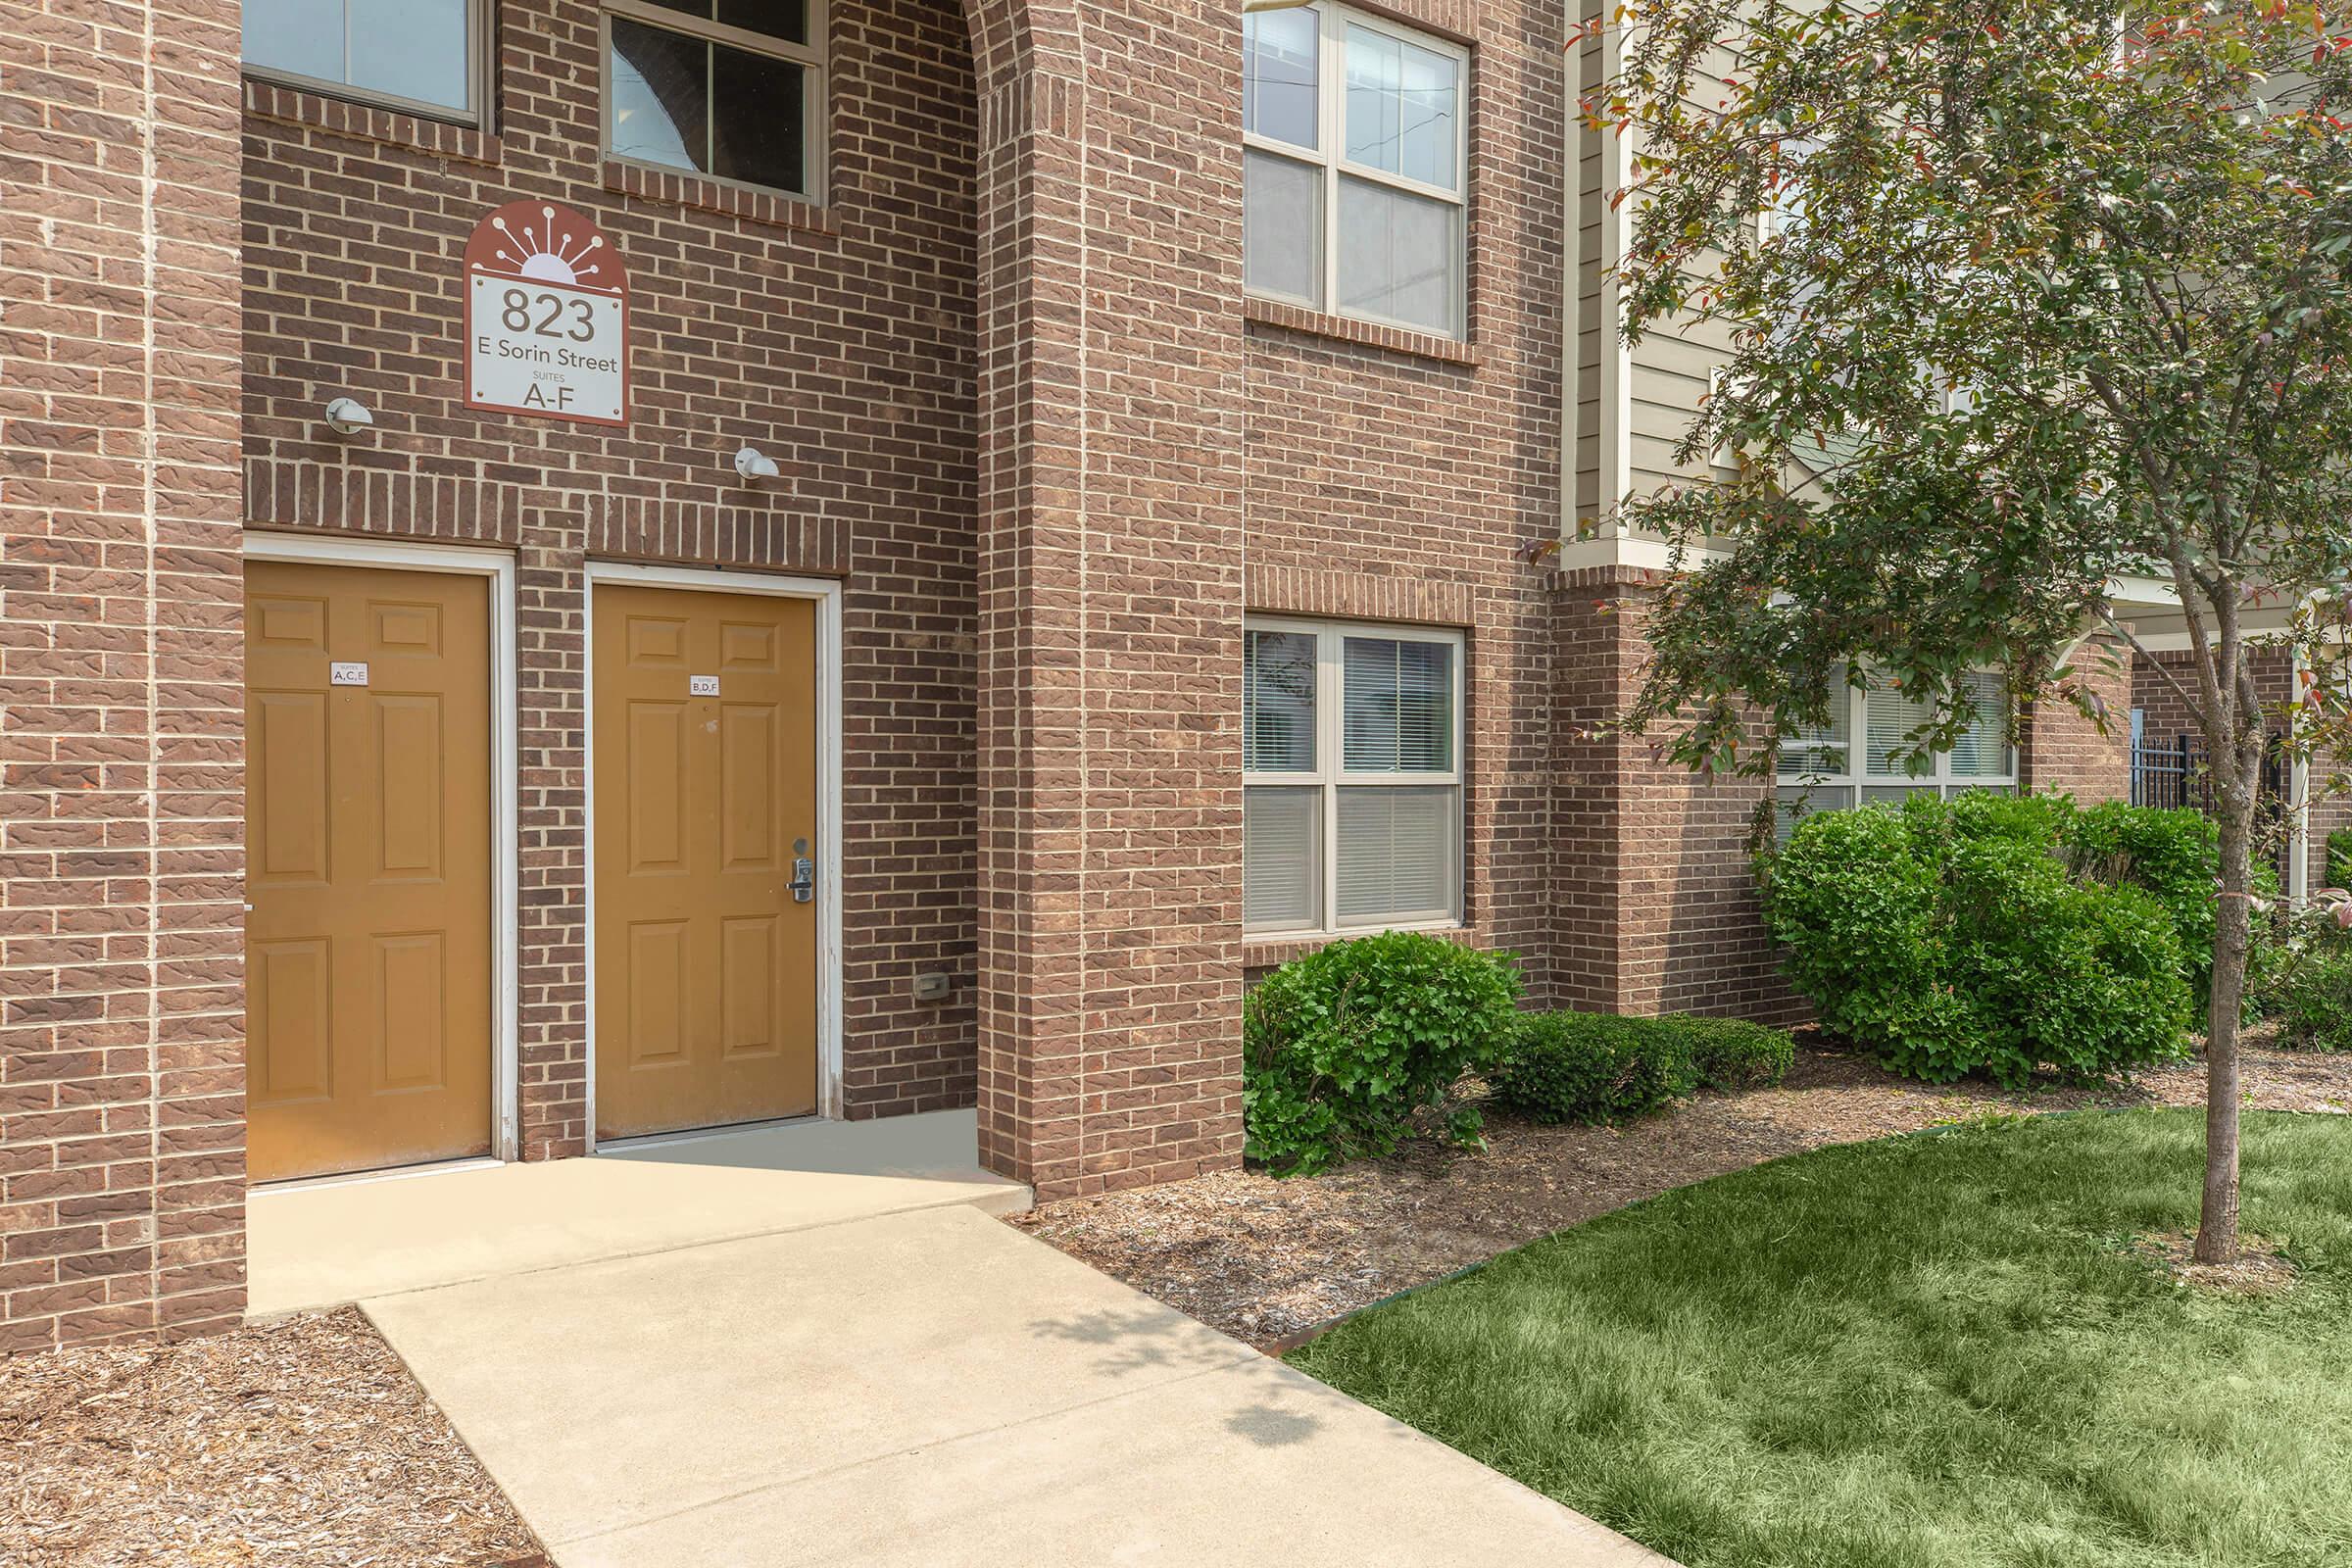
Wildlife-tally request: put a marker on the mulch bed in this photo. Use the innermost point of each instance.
(302, 1442)
(2260, 1269)
(1271, 1262)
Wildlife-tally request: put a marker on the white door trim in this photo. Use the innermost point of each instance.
(827, 594)
(505, 834)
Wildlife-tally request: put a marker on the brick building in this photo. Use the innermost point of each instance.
(1069, 537)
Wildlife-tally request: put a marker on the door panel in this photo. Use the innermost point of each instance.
(369, 944)
(706, 964)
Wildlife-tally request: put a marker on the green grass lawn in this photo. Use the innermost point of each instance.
(1924, 1351)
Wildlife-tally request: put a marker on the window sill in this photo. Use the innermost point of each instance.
(364, 121)
(1346, 329)
(1267, 952)
(650, 183)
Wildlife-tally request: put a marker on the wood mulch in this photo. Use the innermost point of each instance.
(1271, 1262)
(302, 1442)
(2260, 1269)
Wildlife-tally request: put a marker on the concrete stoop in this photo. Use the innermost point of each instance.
(323, 1244)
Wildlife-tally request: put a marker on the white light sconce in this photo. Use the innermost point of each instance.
(348, 417)
(753, 464)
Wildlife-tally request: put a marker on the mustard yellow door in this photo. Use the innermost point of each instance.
(368, 959)
(705, 776)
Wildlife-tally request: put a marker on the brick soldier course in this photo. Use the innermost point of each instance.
(1022, 412)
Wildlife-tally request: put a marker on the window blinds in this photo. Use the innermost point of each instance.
(1820, 747)
(1278, 701)
(1888, 717)
(1396, 853)
(1983, 748)
(1282, 857)
(1399, 706)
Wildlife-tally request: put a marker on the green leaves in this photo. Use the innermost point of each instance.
(1340, 1049)
(1599, 1067)
(1997, 935)
(2133, 269)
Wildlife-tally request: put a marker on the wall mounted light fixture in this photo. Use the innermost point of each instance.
(753, 464)
(348, 417)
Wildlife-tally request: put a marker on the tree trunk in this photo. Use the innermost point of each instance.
(2216, 1225)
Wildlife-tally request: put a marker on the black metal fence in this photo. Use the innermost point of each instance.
(2174, 773)
(2169, 777)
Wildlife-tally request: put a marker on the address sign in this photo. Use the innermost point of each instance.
(547, 317)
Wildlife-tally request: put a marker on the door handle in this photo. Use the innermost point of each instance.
(804, 872)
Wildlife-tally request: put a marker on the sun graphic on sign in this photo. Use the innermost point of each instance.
(545, 252)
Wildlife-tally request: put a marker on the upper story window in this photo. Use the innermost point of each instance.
(420, 56)
(1826, 768)
(1355, 167)
(734, 89)
(1351, 759)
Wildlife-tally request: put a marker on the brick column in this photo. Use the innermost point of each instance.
(1110, 590)
(2058, 748)
(1652, 875)
(121, 1054)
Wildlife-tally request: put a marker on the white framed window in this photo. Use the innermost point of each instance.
(1355, 167)
(423, 57)
(1852, 759)
(1351, 758)
(732, 90)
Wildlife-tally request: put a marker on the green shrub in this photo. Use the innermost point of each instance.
(1952, 938)
(2314, 1005)
(1592, 1068)
(2339, 857)
(1857, 913)
(2174, 856)
(1727, 1054)
(1340, 1047)
(2081, 978)
(2305, 979)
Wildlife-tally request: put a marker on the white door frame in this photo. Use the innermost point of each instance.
(826, 595)
(504, 838)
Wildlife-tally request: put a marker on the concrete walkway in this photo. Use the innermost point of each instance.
(918, 1384)
(336, 1242)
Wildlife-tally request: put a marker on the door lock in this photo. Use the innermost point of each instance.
(804, 872)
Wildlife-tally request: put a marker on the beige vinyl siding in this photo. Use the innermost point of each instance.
(1669, 374)
(1594, 332)
(1661, 380)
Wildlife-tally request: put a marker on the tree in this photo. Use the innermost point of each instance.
(2059, 291)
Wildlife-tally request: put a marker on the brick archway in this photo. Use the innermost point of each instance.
(1110, 592)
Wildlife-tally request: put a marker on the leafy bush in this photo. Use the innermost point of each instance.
(2305, 978)
(2339, 857)
(2314, 1005)
(1857, 910)
(1592, 1068)
(1729, 1053)
(2081, 978)
(1340, 1047)
(1956, 937)
(2174, 857)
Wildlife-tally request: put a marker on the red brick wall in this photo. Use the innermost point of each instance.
(1110, 591)
(1652, 871)
(1396, 476)
(1021, 410)
(2060, 746)
(121, 1147)
(838, 340)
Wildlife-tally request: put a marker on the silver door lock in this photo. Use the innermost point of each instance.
(804, 872)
